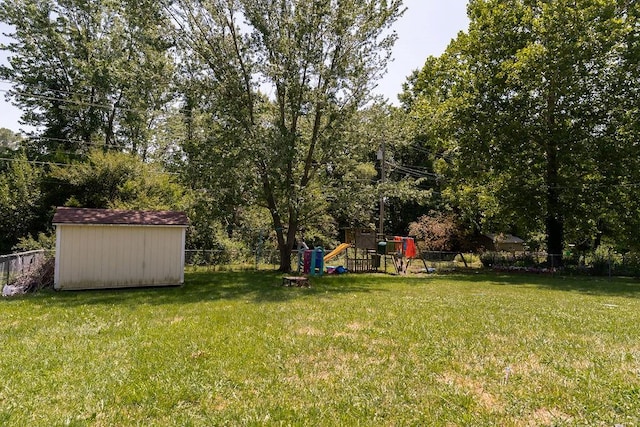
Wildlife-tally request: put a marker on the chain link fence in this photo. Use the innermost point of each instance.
(229, 259)
(601, 264)
(436, 261)
(16, 265)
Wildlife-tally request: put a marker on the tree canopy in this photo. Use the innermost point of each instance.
(283, 80)
(87, 73)
(258, 117)
(527, 106)
(20, 197)
(256, 106)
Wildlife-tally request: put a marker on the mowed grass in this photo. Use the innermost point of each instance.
(238, 349)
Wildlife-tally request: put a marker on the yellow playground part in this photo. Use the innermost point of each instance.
(337, 251)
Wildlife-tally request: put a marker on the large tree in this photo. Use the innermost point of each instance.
(284, 79)
(536, 127)
(87, 72)
(622, 154)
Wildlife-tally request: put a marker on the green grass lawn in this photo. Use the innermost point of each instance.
(237, 349)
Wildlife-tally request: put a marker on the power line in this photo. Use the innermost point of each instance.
(29, 92)
(64, 97)
(414, 172)
(445, 155)
(79, 142)
(70, 165)
(81, 103)
(35, 162)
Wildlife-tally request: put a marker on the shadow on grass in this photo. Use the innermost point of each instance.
(252, 286)
(265, 286)
(605, 286)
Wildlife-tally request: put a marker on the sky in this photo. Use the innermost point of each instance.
(424, 30)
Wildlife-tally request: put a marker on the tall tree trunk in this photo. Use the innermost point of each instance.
(555, 232)
(289, 242)
(554, 222)
(285, 246)
(285, 242)
(285, 251)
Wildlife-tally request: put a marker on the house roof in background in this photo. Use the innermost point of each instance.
(65, 215)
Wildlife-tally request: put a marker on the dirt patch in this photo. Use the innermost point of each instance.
(546, 417)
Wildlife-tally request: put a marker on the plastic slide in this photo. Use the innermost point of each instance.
(337, 251)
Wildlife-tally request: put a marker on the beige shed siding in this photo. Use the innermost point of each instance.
(112, 256)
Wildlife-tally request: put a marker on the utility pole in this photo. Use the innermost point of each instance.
(381, 157)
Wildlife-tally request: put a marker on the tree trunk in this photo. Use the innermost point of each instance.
(554, 222)
(285, 245)
(555, 236)
(285, 252)
(285, 260)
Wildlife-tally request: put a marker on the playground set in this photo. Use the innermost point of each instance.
(364, 251)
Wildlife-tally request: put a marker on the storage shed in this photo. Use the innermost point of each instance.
(105, 248)
(502, 242)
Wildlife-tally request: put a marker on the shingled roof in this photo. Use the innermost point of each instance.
(118, 217)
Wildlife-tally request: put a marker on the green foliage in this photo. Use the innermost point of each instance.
(629, 265)
(42, 241)
(603, 260)
(492, 259)
(20, 199)
(316, 61)
(351, 177)
(530, 124)
(221, 249)
(117, 181)
(87, 73)
(10, 141)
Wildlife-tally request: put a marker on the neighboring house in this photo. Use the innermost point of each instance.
(105, 248)
(502, 243)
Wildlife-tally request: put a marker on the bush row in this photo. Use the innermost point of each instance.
(601, 262)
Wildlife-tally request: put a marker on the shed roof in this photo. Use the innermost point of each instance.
(118, 217)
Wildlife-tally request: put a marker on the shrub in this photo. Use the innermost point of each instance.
(495, 259)
(630, 265)
(437, 232)
(43, 241)
(507, 259)
(603, 261)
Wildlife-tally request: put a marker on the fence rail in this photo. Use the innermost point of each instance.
(257, 259)
(269, 259)
(14, 265)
